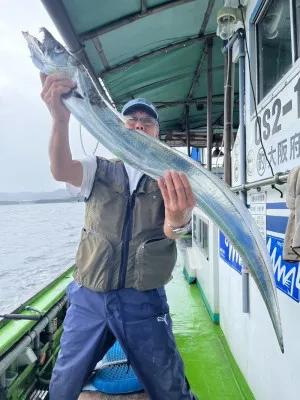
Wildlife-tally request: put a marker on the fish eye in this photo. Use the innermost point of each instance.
(58, 48)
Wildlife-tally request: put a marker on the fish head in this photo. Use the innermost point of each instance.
(48, 55)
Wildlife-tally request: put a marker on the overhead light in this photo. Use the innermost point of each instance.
(217, 152)
(226, 20)
(229, 18)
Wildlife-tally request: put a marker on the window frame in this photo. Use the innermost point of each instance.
(257, 15)
(199, 234)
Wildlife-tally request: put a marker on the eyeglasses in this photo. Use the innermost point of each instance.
(147, 121)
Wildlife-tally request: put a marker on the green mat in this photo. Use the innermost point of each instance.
(210, 366)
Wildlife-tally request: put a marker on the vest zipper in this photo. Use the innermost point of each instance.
(127, 231)
(126, 237)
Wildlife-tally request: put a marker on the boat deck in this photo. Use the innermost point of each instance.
(210, 367)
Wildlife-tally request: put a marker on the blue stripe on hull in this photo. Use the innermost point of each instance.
(277, 206)
(276, 224)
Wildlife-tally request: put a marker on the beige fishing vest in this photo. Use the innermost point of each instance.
(122, 242)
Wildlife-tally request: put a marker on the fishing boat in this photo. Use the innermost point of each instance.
(224, 76)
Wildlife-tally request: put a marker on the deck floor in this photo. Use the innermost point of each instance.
(210, 369)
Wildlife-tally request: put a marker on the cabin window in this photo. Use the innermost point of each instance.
(195, 230)
(200, 233)
(274, 46)
(204, 237)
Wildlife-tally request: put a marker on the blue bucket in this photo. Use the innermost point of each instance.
(116, 379)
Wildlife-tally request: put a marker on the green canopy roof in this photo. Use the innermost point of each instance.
(154, 49)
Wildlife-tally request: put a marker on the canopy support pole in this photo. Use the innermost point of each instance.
(240, 36)
(227, 115)
(209, 103)
(187, 128)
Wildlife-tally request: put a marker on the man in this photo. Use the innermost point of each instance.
(126, 255)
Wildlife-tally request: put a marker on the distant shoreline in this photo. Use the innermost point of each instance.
(23, 202)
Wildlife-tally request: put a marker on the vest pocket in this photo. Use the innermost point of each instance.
(155, 260)
(93, 260)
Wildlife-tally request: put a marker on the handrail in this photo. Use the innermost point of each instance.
(8, 359)
(278, 179)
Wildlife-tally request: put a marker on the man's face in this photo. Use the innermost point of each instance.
(141, 121)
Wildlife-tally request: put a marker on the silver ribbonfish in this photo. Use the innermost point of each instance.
(153, 158)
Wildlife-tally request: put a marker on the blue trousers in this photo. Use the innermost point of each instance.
(140, 321)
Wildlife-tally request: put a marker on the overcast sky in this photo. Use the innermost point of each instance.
(25, 124)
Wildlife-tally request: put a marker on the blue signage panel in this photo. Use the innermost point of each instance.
(287, 275)
(229, 254)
